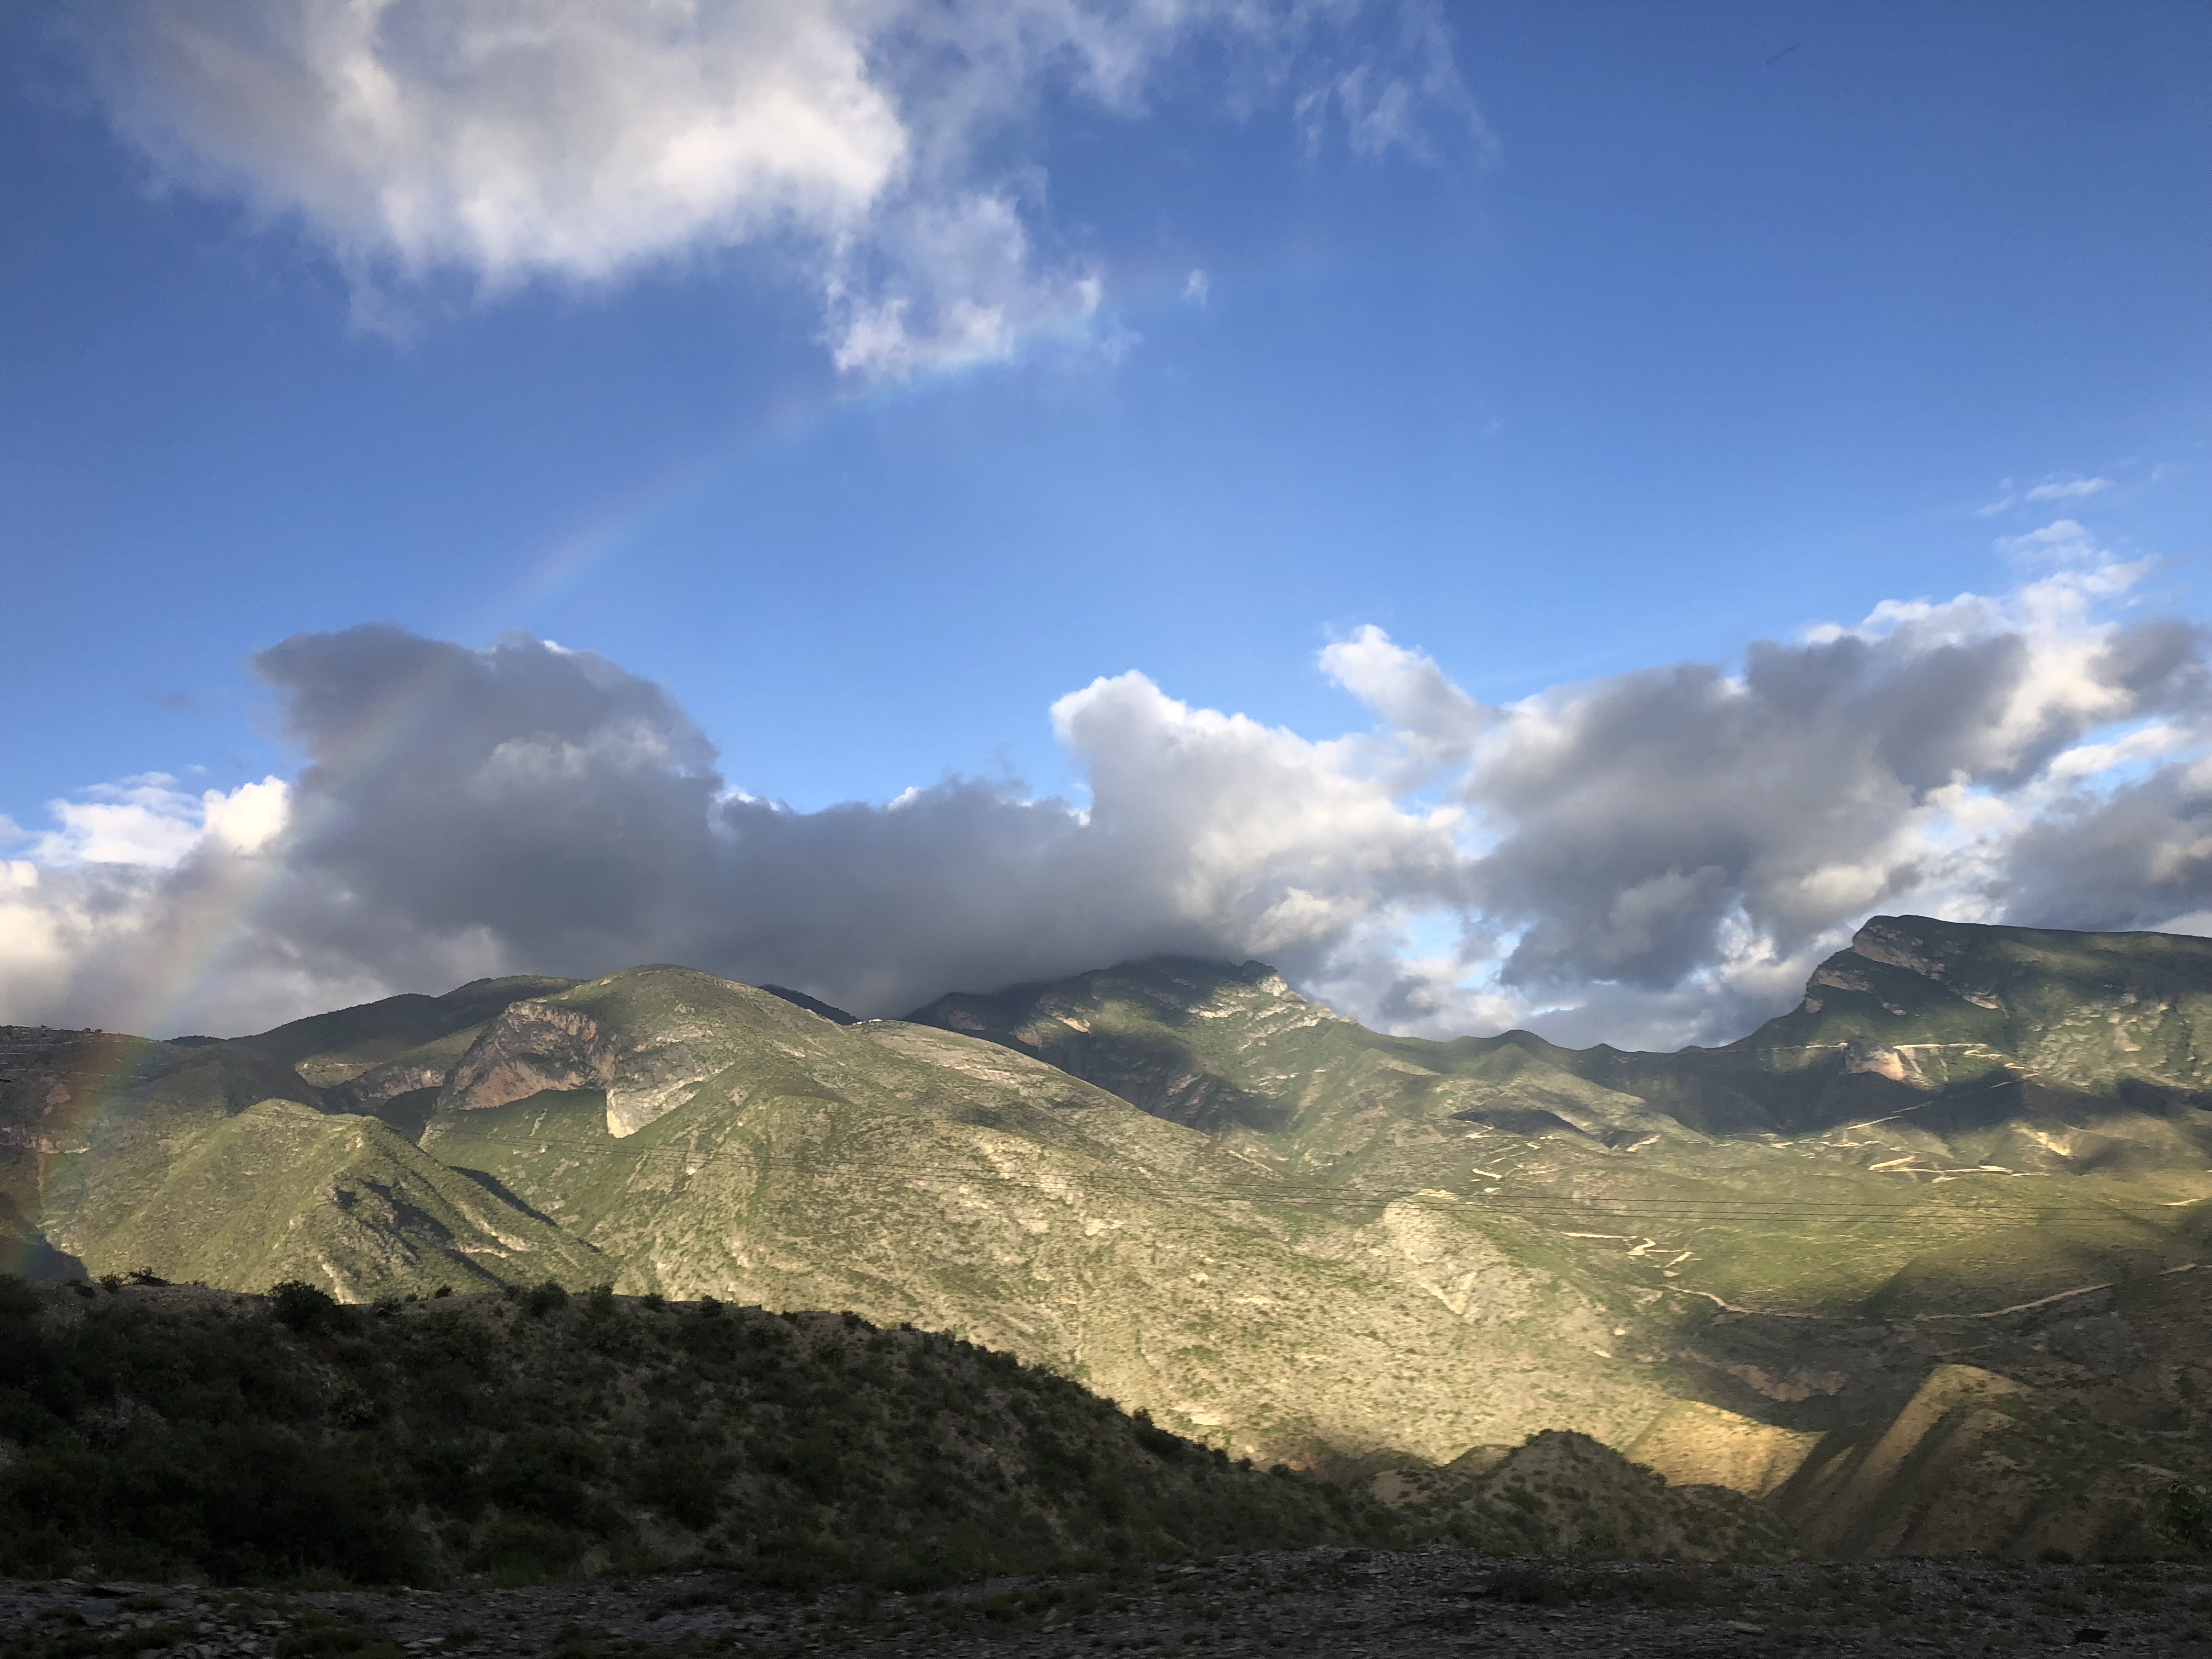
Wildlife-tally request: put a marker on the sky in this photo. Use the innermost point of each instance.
(1521, 513)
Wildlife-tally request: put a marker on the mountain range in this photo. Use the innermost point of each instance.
(1913, 1268)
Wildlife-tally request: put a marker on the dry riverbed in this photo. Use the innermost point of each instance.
(1331, 1601)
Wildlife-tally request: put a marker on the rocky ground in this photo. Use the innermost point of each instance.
(1318, 1602)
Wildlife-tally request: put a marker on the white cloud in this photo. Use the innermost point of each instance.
(1431, 716)
(515, 141)
(2066, 490)
(2053, 488)
(1196, 287)
(2064, 541)
(1649, 859)
(148, 823)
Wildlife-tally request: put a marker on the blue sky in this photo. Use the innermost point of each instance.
(1650, 333)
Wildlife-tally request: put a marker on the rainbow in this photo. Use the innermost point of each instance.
(200, 948)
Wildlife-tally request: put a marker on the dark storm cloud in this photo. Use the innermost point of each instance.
(548, 796)
(2137, 859)
(570, 815)
(1646, 815)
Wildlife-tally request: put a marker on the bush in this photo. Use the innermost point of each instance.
(545, 1471)
(683, 1485)
(2185, 1518)
(304, 1307)
(542, 1299)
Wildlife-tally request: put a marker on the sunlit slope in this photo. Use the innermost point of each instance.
(1236, 1053)
(90, 1121)
(281, 1191)
(2075, 1052)
(2068, 1052)
(914, 1175)
(217, 1161)
(1919, 1128)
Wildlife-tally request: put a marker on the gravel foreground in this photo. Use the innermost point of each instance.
(1338, 1602)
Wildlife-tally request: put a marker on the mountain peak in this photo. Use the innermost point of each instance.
(1919, 944)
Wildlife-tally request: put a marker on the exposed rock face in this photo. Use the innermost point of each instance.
(372, 1088)
(1935, 952)
(530, 1048)
(1895, 941)
(654, 1076)
(1861, 1057)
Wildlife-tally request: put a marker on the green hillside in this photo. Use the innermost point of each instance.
(1187, 1187)
(337, 1199)
(1918, 1131)
(916, 1175)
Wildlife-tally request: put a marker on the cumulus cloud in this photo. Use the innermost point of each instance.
(1669, 850)
(468, 812)
(1649, 857)
(148, 821)
(877, 146)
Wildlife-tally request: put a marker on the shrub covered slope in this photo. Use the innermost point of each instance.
(172, 1432)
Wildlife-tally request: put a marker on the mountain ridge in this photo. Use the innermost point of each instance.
(1191, 1188)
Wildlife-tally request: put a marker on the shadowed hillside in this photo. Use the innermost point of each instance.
(167, 1433)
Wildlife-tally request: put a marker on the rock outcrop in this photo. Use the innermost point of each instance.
(531, 1047)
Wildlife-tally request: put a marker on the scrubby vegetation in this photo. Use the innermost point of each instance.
(168, 1432)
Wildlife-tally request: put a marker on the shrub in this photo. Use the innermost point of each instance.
(2185, 1518)
(683, 1485)
(545, 1471)
(302, 1306)
(542, 1299)
(520, 1550)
